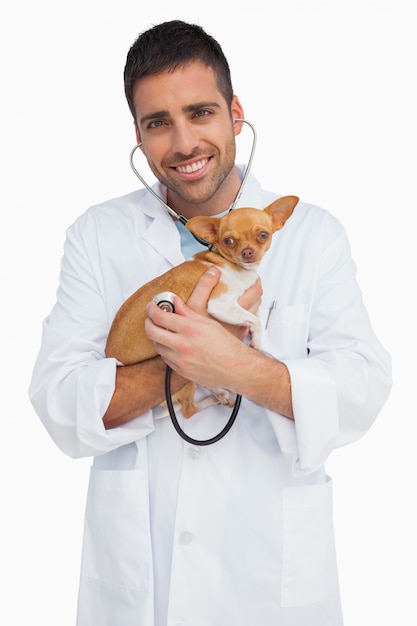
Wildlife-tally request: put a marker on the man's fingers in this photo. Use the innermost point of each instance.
(251, 298)
(201, 293)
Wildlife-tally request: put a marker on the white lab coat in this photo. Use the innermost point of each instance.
(237, 533)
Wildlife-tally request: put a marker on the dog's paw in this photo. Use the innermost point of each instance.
(255, 338)
(224, 396)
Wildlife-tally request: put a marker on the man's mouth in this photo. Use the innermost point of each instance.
(192, 167)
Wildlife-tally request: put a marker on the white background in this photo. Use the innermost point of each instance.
(330, 86)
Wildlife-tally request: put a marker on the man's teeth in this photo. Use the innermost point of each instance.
(187, 169)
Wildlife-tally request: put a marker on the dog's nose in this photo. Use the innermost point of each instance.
(247, 253)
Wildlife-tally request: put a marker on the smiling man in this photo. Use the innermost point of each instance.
(237, 533)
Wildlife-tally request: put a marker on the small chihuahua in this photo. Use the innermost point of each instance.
(238, 241)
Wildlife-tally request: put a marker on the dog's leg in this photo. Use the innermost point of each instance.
(255, 334)
(185, 398)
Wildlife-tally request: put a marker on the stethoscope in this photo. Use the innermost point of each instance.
(165, 300)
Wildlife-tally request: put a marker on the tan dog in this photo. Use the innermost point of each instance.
(239, 241)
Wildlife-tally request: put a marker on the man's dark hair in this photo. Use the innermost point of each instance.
(169, 45)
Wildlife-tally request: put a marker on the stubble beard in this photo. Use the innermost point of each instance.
(202, 190)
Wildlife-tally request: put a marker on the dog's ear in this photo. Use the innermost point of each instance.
(205, 227)
(281, 209)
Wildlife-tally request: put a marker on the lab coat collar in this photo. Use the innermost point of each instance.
(251, 195)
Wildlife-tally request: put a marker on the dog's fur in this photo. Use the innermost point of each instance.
(239, 239)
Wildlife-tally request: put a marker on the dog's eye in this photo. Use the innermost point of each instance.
(263, 236)
(229, 241)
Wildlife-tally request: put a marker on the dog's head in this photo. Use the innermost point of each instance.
(244, 235)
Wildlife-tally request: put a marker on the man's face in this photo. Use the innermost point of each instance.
(188, 133)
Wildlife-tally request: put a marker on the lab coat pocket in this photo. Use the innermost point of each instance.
(309, 562)
(284, 330)
(116, 546)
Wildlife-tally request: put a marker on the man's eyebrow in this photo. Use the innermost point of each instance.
(190, 108)
(153, 116)
(200, 105)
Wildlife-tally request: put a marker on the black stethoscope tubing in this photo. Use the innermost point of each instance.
(196, 442)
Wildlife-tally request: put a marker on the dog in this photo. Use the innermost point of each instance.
(238, 242)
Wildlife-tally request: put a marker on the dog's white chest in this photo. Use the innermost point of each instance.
(226, 308)
(236, 281)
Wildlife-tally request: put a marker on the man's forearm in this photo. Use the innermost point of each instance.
(262, 379)
(139, 388)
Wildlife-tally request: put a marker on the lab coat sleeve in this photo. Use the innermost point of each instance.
(72, 382)
(339, 388)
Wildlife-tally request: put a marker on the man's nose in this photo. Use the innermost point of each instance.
(184, 139)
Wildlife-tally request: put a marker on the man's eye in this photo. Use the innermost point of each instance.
(155, 124)
(202, 113)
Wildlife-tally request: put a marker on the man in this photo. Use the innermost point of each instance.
(239, 532)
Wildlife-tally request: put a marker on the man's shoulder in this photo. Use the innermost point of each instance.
(119, 204)
(117, 209)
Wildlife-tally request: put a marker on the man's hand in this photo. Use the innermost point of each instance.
(191, 342)
(249, 300)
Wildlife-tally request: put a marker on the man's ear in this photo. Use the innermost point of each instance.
(137, 133)
(237, 113)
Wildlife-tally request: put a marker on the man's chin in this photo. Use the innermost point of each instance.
(189, 195)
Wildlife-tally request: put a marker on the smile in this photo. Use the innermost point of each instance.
(193, 167)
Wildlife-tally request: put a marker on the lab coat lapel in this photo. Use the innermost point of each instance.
(161, 233)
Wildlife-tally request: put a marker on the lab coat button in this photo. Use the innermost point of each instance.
(194, 453)
(185, 538)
